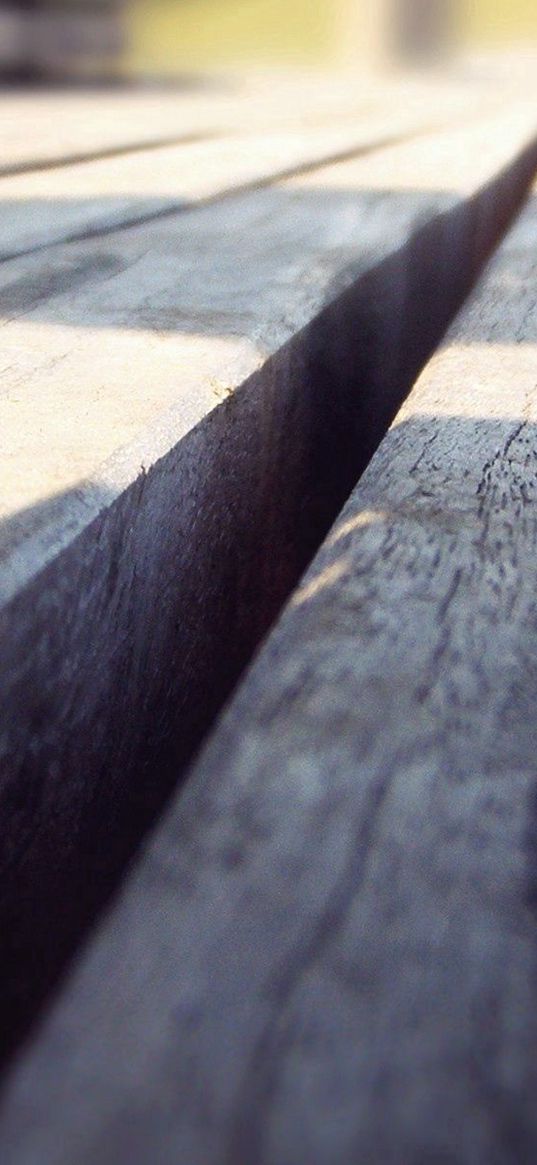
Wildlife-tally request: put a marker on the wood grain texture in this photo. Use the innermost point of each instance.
(327, 952)
(251, 360)
(114, 349)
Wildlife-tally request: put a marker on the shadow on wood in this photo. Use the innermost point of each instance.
(117, 657)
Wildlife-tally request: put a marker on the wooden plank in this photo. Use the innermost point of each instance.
(207, 299)
(70, 201)
(77, 201)
(327, 951)
(183, 412)
(44, 128)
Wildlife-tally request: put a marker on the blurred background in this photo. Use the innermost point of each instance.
(165, 34)
(125, 39)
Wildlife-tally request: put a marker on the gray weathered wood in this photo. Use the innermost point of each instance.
(250, 356)
(327, 952)
(114, 349)
(264, 139)
(72, 202)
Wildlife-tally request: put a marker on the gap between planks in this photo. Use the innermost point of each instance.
(329, 945)
(236, 496)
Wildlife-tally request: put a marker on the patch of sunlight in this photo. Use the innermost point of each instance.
(357, 522)
(320, 583)
(90, 392)
(414, 168)
(487, 381)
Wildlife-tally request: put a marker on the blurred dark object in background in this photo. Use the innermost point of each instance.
(61, 40)
(403, 32)
(421, 29)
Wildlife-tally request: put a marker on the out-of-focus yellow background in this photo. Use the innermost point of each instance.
(171, 35)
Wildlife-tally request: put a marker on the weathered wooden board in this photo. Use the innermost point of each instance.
(50, 128)
(57, 203)
(327, 952)
(101, 339)
(78, 201)
(250, 356)
(54, 127)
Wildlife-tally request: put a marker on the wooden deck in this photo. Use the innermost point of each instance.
(215, 304)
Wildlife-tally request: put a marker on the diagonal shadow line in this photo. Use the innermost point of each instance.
(62, 161)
